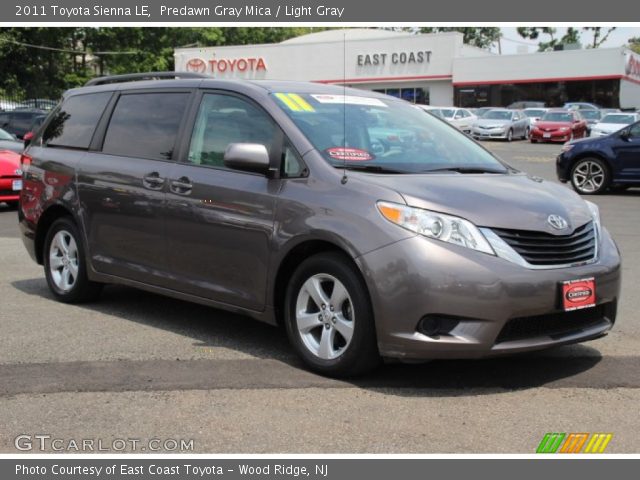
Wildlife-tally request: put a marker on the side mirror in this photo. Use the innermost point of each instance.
(27, 139)
(248, 157)
(624, 135)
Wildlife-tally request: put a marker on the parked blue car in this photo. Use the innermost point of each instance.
(593, 165)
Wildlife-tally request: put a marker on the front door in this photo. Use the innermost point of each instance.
(220, 221)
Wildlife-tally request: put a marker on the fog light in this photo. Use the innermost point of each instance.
(437, 325)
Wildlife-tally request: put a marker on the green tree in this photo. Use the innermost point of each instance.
(600, 35)
(634, 44)
(482, 37)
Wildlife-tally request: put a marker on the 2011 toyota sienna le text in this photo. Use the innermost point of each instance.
(367, 227)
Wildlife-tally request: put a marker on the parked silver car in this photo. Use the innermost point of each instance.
(501, 123)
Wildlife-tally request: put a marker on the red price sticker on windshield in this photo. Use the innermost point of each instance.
(349, 154)
(578, 294)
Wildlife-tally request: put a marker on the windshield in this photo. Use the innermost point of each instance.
(619, 119)
(447, 112)
(534, 113)
(497, 115)
(5, 135)
(557, 117)
(590, 114)
(382, 135)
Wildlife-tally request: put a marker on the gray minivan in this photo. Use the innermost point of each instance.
(366, 227)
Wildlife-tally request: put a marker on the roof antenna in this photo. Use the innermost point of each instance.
(344, 107)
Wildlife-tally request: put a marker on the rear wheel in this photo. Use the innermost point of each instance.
(329, 318)
(590, 176)
(65, 265)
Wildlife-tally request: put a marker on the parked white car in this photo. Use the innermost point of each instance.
(534, 114)
(461, 118)
(612, 122)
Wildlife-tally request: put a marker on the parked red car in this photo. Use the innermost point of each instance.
(559, 126)
(10, 177)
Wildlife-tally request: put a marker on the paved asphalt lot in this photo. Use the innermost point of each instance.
(137, 365)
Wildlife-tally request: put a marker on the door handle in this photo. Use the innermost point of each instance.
(182, 186)
(153, 181)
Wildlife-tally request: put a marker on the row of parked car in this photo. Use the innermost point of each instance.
(538, 124)
(18, 123)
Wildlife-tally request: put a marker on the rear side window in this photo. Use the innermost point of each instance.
(145, 125)
(73, 124)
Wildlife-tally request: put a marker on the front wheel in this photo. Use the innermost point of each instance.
(65, 265)
(590, 176)
(509, 135)
(329, 318)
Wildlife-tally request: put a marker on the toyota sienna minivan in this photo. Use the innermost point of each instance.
(367, 227)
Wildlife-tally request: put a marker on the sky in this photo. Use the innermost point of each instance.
(511, 40)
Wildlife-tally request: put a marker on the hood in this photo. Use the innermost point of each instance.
(9, 163)
(553, 125)
(487, 122)
(609, 127)
(515, 201)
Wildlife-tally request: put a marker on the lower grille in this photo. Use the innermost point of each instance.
(556, 325)
(540, 248)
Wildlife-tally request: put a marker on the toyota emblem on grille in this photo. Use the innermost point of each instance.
(557, 222)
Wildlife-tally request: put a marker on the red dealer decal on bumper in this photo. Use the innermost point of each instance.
(579, 294)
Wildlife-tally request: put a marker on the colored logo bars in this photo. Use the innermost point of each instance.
(574, 443)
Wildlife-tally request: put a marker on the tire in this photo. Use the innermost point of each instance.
(339, 342)
(590, 176)
(510, 135)
(527, 132)
(533, 140)
(67, 278)
(13, 205)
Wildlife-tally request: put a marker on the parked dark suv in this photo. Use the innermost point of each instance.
(280, 201)
(18, 122)
(594, 165)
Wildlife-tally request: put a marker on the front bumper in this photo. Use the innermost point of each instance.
(7, 193)
(555, 136)
(496, 133)
(416, 277)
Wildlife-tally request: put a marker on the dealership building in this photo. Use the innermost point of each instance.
(436, 69)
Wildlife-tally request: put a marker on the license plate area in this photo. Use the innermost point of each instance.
(16, 185)
(578, 294)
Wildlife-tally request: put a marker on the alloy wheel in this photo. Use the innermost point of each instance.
(588, 177)
(324, 316)
(63, 261)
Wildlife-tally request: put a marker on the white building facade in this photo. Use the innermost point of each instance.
(436, 69)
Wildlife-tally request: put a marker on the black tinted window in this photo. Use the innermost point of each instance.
(145, 125)
(74, 123)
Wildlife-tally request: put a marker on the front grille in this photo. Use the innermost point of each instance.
(7, 193)
(540, 248)
(555, 325)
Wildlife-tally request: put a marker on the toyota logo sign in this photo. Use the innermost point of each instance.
(196, 65)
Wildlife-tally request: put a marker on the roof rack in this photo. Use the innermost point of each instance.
(142, 76)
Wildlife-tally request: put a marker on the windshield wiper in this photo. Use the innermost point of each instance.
(465, 170)
(371, 168)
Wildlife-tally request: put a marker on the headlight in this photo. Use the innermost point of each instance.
(564, 129)
(595, 214)
(438, 226)
(566, 147)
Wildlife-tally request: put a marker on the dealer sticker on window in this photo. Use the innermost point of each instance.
(577, 294)
(350, 100)
(349, 154)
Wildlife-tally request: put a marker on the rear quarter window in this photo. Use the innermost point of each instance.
(74, 123)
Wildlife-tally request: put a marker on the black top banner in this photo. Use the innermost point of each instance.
(316, 11)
